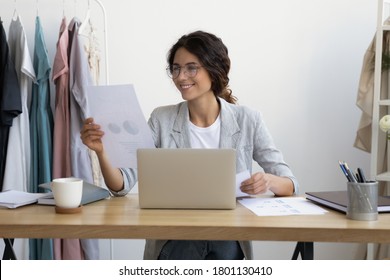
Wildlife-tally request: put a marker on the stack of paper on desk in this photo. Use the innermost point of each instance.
(14, 199)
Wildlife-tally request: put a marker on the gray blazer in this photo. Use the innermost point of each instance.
(242, 129)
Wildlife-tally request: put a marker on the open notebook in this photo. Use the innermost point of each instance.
(187, 178)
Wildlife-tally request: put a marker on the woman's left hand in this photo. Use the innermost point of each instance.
(258, 183)
(261, 182)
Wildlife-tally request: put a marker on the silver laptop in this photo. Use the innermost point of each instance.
(187, 178)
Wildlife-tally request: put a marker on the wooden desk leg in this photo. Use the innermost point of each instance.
(9, 253)
(306, 249)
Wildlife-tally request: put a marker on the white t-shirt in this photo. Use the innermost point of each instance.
(205, 137)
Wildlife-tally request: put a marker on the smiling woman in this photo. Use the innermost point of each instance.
(199, 65)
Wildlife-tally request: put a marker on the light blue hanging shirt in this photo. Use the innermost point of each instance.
(41, 130)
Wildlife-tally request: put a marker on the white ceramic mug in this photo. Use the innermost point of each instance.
(67, 192)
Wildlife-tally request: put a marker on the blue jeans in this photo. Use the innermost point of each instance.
(201, 250)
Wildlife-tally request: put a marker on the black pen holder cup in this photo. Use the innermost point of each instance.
(362, 201)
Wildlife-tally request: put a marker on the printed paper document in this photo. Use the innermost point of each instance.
(116, 109)
(278, 206)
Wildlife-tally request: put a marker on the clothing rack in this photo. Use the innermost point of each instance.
(8, 249)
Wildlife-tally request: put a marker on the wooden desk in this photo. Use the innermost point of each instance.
(121, 218)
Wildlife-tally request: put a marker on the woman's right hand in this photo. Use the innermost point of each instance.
(91, 135)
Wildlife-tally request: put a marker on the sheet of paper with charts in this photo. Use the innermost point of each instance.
(116, 109)
(281, 206)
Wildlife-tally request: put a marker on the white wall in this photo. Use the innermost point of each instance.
(297, 61)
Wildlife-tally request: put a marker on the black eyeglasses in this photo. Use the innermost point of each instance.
(191, 70)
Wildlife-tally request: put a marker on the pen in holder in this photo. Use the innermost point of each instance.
(362, 201)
